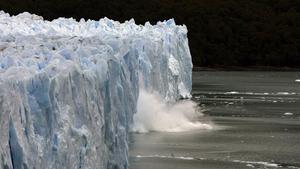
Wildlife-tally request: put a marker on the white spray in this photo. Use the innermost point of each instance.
(153, 114)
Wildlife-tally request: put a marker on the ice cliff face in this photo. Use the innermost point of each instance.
(68, 90)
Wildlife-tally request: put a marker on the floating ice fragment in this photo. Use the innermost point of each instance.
(266, 164)
(283, 93)
(288, 114)
(232, 92)
(169, 157)
(250, 165)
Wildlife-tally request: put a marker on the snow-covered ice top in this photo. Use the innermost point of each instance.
(30, 24)
(31, 45)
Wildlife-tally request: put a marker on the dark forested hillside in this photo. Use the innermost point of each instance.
(221, 32)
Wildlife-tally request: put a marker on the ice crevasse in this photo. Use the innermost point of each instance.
(69, 90)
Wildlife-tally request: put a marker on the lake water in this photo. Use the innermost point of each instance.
(256, 119)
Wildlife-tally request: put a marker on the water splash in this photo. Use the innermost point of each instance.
(154, 114)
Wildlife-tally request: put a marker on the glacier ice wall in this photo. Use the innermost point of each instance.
(68, 89)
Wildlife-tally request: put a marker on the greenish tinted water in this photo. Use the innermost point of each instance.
(257, 119)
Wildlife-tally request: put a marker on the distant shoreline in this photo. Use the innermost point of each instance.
(250, 68)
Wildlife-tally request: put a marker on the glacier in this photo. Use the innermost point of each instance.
(69, 89)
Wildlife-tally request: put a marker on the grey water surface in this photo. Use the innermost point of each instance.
(256, 119)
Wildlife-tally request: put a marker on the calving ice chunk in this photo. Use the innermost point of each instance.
(69, 90)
